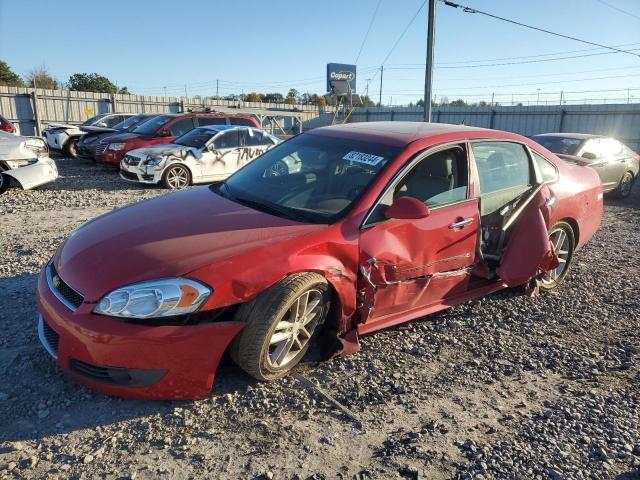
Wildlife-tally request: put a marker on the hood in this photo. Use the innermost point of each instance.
(12, 147)
(121, 137)
(167, 236)
(572, 159)
(92, 129)
(165, 150)
(61, 125)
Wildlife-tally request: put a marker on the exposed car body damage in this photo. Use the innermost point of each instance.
(26, 160)
(208, 153)
(380, 271)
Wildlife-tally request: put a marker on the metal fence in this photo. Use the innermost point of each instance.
(33, 109)
(621, 121)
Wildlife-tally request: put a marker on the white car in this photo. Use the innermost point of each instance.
(26, 160)
(64, 137)
(202, 155)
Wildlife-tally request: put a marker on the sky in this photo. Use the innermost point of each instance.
(153, 47)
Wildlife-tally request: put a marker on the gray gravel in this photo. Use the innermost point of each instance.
(503, 387)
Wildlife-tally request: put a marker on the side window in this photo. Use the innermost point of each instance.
(437, 180)
(501, 166)
(610, 147)
(254, 138)
(547, 169)
(592, 146)
(227, 140)
(202, 121)
(180, 127)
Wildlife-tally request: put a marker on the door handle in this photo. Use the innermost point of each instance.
(461, 224)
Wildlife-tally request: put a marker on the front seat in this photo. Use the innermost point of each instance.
(431, 177)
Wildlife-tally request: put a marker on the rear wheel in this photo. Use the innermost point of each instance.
(176, 177)
(4, 183)
(281, 322)
(70, 148)
(563, 243)
(625, 185)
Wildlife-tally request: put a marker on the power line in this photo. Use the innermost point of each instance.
(366, 35)
(619, 9)
(413, 19)
(473, 10)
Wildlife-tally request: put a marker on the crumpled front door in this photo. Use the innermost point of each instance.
(529, 252)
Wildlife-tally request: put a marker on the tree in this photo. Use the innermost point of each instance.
(366, 101)
(291, 100)
(320, 101)
(92, 82)
(8, 77)
(253, 97)
(420, 103)
(41, 78)
(458, 103)
(293, 93)
(273, 98)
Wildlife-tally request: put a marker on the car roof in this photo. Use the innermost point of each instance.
(402, 133)
(220, 128)
(577, 136)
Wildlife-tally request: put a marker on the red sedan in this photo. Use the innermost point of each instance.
(363, 226)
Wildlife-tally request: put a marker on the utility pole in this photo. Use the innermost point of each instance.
(381, 73)
(217, 88)
(185, 91)
(428, 74)
(492, 97)
(561, 95)
(538, 99)
(165, 91)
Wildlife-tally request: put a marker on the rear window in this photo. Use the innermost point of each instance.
(561, 145)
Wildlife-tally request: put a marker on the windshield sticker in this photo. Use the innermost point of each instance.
(361, 157)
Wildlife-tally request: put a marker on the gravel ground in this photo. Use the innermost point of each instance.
(503, 387)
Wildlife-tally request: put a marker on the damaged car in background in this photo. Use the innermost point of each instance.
(89, 141)
(26, 161)
(63, 137)
(379, 224)
(202, 155)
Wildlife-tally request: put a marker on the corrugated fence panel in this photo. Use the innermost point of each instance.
(63, 106)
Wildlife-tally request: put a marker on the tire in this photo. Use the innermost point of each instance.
(561, 233)
(70, 148)
(176, 177)
(625, 186)
(5, 180)
(257, 349)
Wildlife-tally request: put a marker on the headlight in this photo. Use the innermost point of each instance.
(152, 162)
(36, 146)
(116, 146)
(154, 298)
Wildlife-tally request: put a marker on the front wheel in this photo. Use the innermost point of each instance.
(625, 185)
(563, 243)
(70, 148)
(4, 183)
(176, 177)
(281, 322)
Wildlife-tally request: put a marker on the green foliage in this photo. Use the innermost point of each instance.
(272, 98)
(8, 77)
(41, 78)
(92, 82)
(366, 101)
(253, 97)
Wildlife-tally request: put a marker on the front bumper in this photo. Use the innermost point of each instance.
(36, 174)
(133, 173)
(129, 360)
(110, 158)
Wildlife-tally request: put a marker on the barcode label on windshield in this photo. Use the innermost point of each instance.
(360, 157)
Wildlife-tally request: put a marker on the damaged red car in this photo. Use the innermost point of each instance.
(363, 226)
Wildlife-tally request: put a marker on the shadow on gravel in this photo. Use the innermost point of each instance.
(630, 475)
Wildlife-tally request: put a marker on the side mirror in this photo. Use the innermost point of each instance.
(589, 155)
(164, 133)
(407, 208)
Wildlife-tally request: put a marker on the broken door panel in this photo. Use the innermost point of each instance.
(401, 261)
(529, 251)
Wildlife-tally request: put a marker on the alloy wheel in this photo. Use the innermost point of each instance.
(294, 330)
(561, 244)
(177, 178)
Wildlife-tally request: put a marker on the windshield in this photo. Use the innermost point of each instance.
(195, 138)
(130, 122)
(310, 177)
(151, 125)
(561, 145)
(94, 119)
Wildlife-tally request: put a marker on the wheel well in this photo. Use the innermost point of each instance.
(182, 164)
(574, 227)
(327, 338)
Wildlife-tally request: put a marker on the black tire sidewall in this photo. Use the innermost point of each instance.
(71, 148)
(619, 192)
(5, 180)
